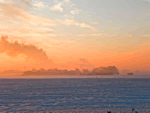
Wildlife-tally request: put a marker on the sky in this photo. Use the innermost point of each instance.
(74, 33)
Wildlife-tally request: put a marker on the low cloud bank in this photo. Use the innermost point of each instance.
(13, 49)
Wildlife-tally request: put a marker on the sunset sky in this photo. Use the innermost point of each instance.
(75, 33)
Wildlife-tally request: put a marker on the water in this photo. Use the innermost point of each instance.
(78, 95)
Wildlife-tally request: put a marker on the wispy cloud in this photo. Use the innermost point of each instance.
(15, 12)
(39, 4)
(68, 16)
(95, 35)
(69, 19)
(69, 22)
(80, 63)
(87, 35)
(25, 2)
(57, 7)
(25, 31)
(2, 0)
(18, 21)
(93, 23)
(75, 11)
(147, 0)
(145, 35)
(68, 2)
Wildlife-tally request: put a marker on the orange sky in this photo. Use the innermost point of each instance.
(69, 34)
(16, 57)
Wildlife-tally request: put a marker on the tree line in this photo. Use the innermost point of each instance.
(110, 70)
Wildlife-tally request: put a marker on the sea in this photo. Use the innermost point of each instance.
(74, 95)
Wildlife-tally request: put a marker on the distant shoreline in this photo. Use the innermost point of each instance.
(105, 74)
(110, 70)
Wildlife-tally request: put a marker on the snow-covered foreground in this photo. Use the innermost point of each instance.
(78, 95)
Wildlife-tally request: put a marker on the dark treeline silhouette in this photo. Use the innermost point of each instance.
(110, 70)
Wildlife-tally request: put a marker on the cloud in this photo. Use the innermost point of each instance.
(39, 4)
(75, 11)
(25, 32)
(84, 63)
(83, 25)
(91, 35)
(57, 7)
(69, 22)
(87, 35)
(93, 23)
(26, 2)
(18, 21)
(2, 0)
(68, 2)
(15, 12)
(145, 35)
(80, 63)
(13, 49)
(147, 0)
(68, 16)
(83, 60)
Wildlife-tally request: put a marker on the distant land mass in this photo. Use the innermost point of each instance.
(11, 71)
(110, 70)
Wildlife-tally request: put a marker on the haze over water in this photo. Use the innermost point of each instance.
(13, 76)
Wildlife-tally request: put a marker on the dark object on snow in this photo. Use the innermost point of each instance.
(133, 109)
(108, 111)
